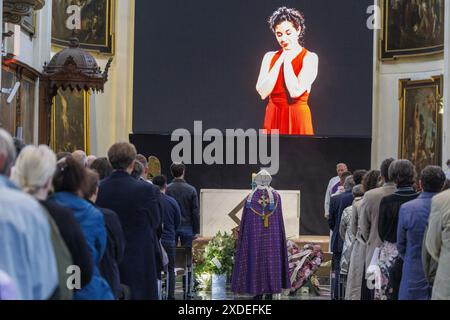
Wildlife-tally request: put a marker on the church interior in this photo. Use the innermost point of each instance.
(210, 150)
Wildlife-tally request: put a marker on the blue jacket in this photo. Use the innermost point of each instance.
(171, 219)
(93, 227)
(137, 205)
(337, 205)
(26, 250)
(413, 220)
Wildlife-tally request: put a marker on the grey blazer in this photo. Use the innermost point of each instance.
(437, 242)
(370, 209)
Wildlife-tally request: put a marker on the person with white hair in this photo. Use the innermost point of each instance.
(33, 173)
(261, 260)
(81, 157)
(26, 251)
(333, 186)
(90, 160)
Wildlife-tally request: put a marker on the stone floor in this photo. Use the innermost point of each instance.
(302, 294)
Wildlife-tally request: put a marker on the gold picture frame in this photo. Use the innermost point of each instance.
(412, 28)
(70, 121)
(97, 25)
(421, 113)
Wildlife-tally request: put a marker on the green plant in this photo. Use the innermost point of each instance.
(216, 258)
(219, 254)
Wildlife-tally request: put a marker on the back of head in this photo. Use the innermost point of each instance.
(160, 181)
(446, 185)
(358, 176)
(34, 167)
(141, 158)
(7, 152)
(121, 155)
(384, 169)
(371, 180)
(70, 176)
(81, 157)
(349, 183)
(402, 172)
(102, 166)
(344, 176)
(358, 190)
(432, 179)
(91, 185)
(90, 160)
(138, 170)
(177, 169)
(62, 154)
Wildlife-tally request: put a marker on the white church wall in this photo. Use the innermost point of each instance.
(386, 104)
(111, 111)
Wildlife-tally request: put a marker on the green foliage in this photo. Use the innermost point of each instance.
(220, 249)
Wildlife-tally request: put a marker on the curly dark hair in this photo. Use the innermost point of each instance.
(288, 14)
(371, 180)
(358, 175)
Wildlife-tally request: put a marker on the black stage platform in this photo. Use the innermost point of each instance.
(306, 164)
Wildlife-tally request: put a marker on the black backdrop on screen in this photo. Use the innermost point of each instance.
(306, 164)
(199, 60)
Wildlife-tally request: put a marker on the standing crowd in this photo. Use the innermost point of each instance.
(390, 232)
(78, 227)
(74, 226)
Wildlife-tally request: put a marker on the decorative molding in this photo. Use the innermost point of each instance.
(14, 11)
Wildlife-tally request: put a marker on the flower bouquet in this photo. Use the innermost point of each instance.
(303, 263)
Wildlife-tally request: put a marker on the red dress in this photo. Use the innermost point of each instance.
(288, 115)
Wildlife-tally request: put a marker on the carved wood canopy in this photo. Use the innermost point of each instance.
(75, 69)
(71, 68)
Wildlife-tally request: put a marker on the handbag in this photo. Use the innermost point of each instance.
(164, 256)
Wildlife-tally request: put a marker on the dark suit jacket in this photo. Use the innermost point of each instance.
(137, 205)
(115, 248)
(337, 205)
(187, 198)
(389, 208)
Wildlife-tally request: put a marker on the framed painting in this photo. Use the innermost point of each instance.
(70, 121)
(421, 112)
(412, 28)
(96, 24)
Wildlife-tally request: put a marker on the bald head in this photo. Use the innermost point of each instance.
(7, 152)
(80, 157)
(341, 168)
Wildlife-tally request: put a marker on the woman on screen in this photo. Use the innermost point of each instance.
(287, 75)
